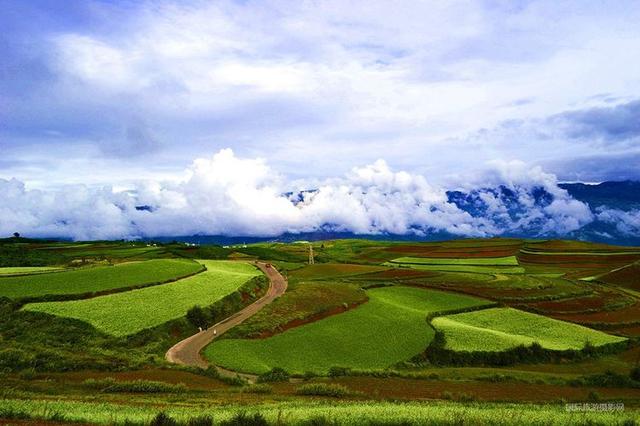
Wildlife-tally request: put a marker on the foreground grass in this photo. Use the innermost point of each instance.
(304, 412)
(499, 329)
(390, 328)
(90, 280)
(127, 313)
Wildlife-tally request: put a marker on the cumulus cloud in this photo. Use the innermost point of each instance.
(230, 195)
(627, 222)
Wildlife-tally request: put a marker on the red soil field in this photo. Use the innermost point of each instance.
(598, 300)
(192, 381)
(582, 261)
(413, 389)
(399, 273)
(576, 246)
(630, 314)
(626, 277)
(455, 252)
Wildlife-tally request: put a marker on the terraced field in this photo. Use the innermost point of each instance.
(97, 279)
(487, 265)
(388, 329)
(498, 329)
(129, 312)
(28, 270)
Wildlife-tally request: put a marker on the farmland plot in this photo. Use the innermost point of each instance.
(127, 313)
(499, 329)
(390, 328)
(97, 279)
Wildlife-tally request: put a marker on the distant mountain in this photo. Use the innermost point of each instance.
(623, 195)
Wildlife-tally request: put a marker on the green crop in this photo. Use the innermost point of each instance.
(132, 311)
(499, 329)
(97, 279)
(390, 328)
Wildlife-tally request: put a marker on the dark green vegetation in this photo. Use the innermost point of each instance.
(351, 341)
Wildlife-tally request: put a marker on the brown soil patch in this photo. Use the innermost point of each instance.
(598, 301)
(626, 277)
(399, 273)
(312, 318)
(192, 381)
(630, 314)
(456, 252)
(412, 389)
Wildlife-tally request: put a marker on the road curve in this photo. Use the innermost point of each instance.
(187, 351)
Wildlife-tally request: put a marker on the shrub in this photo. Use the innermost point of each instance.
(608, 379)
(197, 317)
(463, 397)
(594, 396)
(276, 374)
(234, 380)
(259, 388)
(200, 421)
(161, 419)
(323, 389)
(635, 374)
(243, 419)
(110, 385)
(446, 395)
(339, 371)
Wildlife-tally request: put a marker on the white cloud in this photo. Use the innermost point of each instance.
(229, 195)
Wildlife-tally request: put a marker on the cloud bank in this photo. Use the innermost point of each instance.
(234, 196)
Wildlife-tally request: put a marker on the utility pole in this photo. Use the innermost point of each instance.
(311, 262)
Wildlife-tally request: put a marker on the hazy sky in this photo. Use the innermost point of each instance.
(111, 92)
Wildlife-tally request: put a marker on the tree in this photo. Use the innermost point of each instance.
(16, 235)
(197, 317)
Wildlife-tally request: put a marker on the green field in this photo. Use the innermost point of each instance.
(308, 412)
(482, 265)
(132, 311)
(390, 328)
(97, 279)
(499, 329)
(28, 270)
(479, 261)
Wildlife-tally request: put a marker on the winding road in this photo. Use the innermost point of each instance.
(187, 351)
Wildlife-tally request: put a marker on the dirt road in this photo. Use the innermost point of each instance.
(187, 351)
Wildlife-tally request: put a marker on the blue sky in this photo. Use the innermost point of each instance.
(202, 109)
(115, 91)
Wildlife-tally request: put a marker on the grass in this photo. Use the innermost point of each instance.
(130, 312)
(390, 328)
(319, 412)
(499, 329)
(27, 270)
(97, 279)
